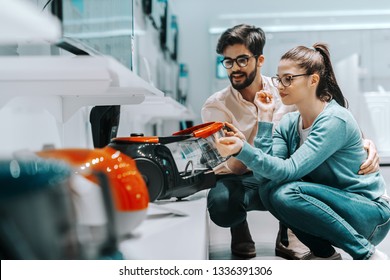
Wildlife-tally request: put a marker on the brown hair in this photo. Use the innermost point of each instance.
(317, 60)
(251, 36)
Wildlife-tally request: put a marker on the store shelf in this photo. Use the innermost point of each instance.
(180, 234)
(155, 110)
(159, 107)
(79, 80)
(123, 79)
(384, 158)
(21, 21)
(376, 122)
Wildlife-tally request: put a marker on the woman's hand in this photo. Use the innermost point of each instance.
(228, 146)
(371, 164)
(231, 130)
(265, 104)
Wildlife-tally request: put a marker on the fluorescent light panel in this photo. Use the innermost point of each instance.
(314, 21)
(309, 14)
(304, 28)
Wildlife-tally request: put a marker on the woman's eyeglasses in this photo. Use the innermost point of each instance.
(286, 80)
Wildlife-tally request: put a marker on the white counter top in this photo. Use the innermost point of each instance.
(165, 235)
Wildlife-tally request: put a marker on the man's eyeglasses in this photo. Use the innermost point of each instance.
(286, 80)
(241, 61)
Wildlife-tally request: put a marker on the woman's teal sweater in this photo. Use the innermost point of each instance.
(331, 155)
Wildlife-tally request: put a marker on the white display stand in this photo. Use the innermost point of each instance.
(378, 105)
(78, 80)
(154, 109)
(176, 231)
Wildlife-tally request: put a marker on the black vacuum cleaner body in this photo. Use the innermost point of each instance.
(156, 164)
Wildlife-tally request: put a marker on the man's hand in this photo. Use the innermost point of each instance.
(371, 164)
(231, 130)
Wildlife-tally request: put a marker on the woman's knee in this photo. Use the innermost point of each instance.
(283, 196)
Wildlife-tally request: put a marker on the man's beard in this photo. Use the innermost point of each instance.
(247, 82)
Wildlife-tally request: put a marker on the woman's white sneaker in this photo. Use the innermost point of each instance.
(378, 255)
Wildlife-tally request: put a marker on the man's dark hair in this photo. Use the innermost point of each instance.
(249, 35)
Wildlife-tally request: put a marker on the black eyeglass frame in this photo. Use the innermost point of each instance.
(235, 60)
(276, 80)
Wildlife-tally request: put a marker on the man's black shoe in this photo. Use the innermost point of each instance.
(242, 244)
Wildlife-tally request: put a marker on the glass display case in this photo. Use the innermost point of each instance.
(105, 26)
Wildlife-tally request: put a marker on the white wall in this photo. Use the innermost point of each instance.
(197, 46)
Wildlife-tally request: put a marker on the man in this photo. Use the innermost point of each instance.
(236, 190)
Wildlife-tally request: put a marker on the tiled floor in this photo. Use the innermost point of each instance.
(264, 228)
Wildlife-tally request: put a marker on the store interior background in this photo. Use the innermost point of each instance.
(358, 34)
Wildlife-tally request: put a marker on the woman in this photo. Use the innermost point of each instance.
(310, 166)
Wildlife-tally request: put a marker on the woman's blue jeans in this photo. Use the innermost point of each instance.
(322, 216)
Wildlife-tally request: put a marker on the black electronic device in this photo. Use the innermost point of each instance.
(104, 122)
(159, 170)
(147, 7)
(158, 167)
(154, 10)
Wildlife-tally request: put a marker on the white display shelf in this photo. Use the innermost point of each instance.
(384, 158)
(377, 122)
(22, 21)
(159, 107)
(123, 79)
(154, 110)
(79, 80)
